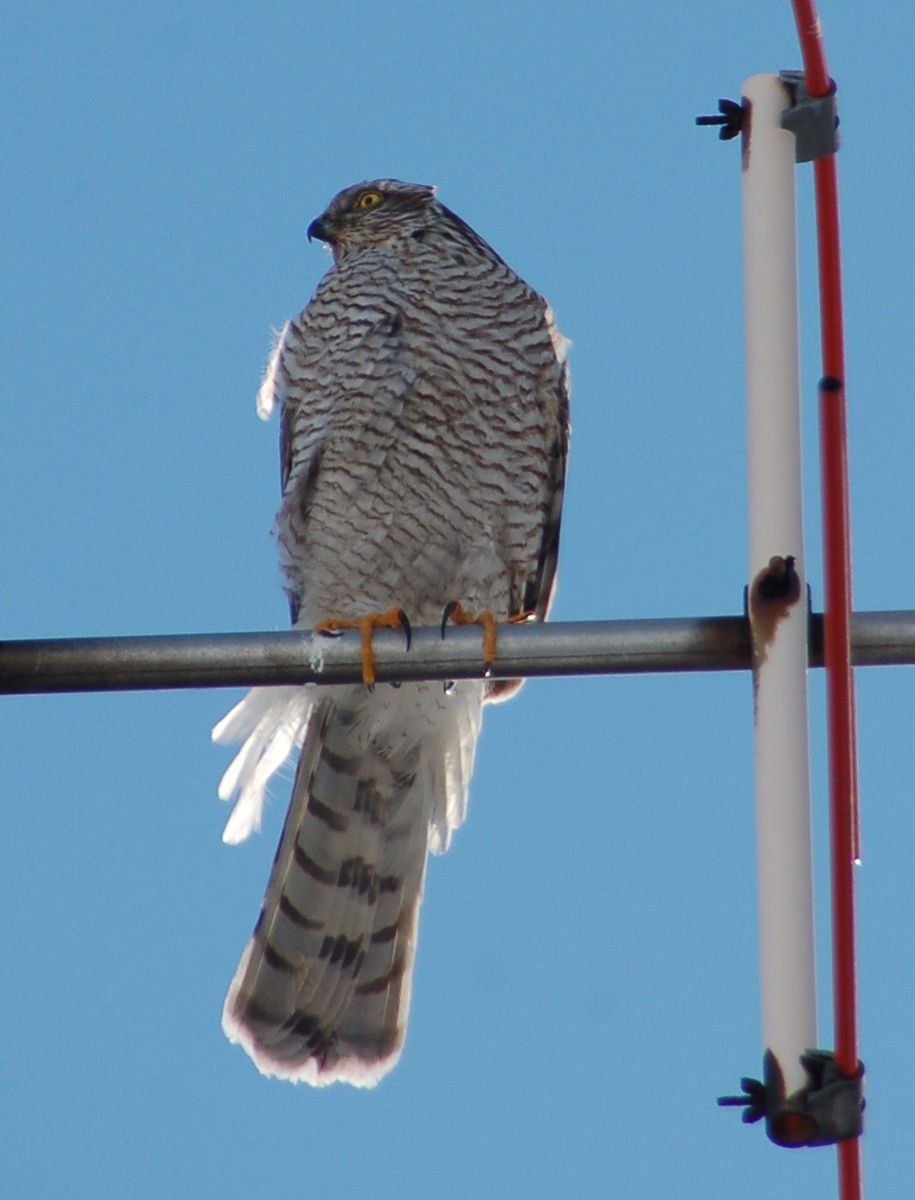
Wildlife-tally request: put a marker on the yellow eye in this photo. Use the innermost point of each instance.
(368, 200)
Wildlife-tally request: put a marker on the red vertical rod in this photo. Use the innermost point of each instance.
(837, 573)
(837, 654)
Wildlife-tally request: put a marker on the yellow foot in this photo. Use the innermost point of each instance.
(394, 618)
(455, 612)
(502, 688)
(521, 618)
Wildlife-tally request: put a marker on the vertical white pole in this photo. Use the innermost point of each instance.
(779, 629)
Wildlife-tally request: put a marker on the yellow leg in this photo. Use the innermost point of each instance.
(393, 618)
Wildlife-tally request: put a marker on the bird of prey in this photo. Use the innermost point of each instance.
(423, 402)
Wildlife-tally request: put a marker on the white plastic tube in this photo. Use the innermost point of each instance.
(779, 631)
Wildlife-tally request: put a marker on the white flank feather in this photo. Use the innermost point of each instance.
(272, 721)
(267, 395)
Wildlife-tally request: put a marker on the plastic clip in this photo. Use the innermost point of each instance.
(813, 120)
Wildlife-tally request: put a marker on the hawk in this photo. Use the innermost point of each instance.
(423, 398)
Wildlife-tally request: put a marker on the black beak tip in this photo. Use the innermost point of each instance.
(317, 229)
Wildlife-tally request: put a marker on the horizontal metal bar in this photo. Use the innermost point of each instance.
(557, 648)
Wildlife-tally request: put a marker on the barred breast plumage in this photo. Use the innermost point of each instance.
(424, 432)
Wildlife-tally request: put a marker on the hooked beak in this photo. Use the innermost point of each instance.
(320, 229)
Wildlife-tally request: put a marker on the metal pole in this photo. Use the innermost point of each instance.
(778, 610)
(292, 656)
(568, 648)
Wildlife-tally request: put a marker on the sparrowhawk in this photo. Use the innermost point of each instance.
(423, 397)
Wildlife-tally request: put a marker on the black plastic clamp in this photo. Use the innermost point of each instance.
(828, 1108)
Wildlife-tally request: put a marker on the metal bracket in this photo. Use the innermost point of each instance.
(827, 1109)
(813, 120)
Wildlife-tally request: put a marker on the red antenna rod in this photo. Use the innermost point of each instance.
(843, 796)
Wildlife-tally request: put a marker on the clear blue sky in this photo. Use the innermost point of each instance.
(587, 980)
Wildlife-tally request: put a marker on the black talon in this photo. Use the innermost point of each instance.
(449, 608)
(405, 626)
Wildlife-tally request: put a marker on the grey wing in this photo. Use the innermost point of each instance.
(289, 383)
(541, 583)
(554, 400)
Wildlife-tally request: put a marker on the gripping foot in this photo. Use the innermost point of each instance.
(393, 618)
(455, 613)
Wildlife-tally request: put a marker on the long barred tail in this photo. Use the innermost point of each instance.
(322, 991)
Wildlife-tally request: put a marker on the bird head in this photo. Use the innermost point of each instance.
(374, 213)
